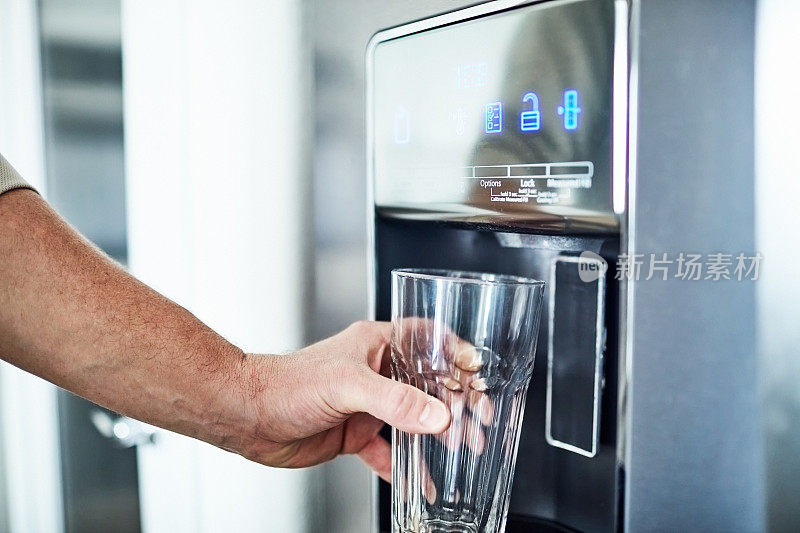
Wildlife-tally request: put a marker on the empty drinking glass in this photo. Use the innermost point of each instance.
(468, 339)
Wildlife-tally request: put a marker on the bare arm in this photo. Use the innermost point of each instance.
(72, 316)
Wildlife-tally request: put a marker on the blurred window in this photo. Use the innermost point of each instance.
(82, 90)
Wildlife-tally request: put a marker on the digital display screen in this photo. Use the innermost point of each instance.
(503, 118)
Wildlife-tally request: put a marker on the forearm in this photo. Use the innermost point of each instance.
(74, 317)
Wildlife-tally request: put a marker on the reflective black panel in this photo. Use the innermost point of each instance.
(504, 118)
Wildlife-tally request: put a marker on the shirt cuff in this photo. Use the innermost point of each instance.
(10, 178)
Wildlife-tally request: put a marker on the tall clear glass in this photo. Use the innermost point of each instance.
(468, 339)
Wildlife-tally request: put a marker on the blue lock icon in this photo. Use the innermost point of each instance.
(530, 120)
(570, 109)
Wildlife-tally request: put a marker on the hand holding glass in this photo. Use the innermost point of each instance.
(468, 339)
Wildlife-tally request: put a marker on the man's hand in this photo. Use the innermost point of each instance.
(74, 317)
(330, 399)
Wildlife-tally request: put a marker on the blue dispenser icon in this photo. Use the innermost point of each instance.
(402, 125)
(570, 109)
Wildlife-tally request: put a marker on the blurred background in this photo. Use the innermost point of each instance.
(217, 150)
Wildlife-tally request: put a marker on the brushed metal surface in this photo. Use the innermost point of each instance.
(695, 458)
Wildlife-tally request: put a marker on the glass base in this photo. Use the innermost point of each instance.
(440, 526)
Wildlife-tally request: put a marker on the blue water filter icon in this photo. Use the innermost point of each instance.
(570, 109)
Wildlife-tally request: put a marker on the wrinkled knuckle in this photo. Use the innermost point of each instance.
(341, 370)
(334, 374)
(403, 400)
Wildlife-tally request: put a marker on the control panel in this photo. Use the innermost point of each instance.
(502, 119)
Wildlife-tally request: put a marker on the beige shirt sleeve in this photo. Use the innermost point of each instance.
(10, 178)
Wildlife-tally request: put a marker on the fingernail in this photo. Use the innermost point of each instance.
(434, 415)
(453, 385)
(479, 385)
(430, 492)
(469, 359)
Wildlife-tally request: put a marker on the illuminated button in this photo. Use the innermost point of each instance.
(570, 109)
(494, 117)
(530, 120)
(402, 125)
(460, 120)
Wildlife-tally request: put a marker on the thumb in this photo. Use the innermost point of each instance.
(400, 405)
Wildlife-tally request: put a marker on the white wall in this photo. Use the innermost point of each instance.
(216, 138)
(30, 471)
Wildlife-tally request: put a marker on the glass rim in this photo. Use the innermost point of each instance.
(465, 276)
